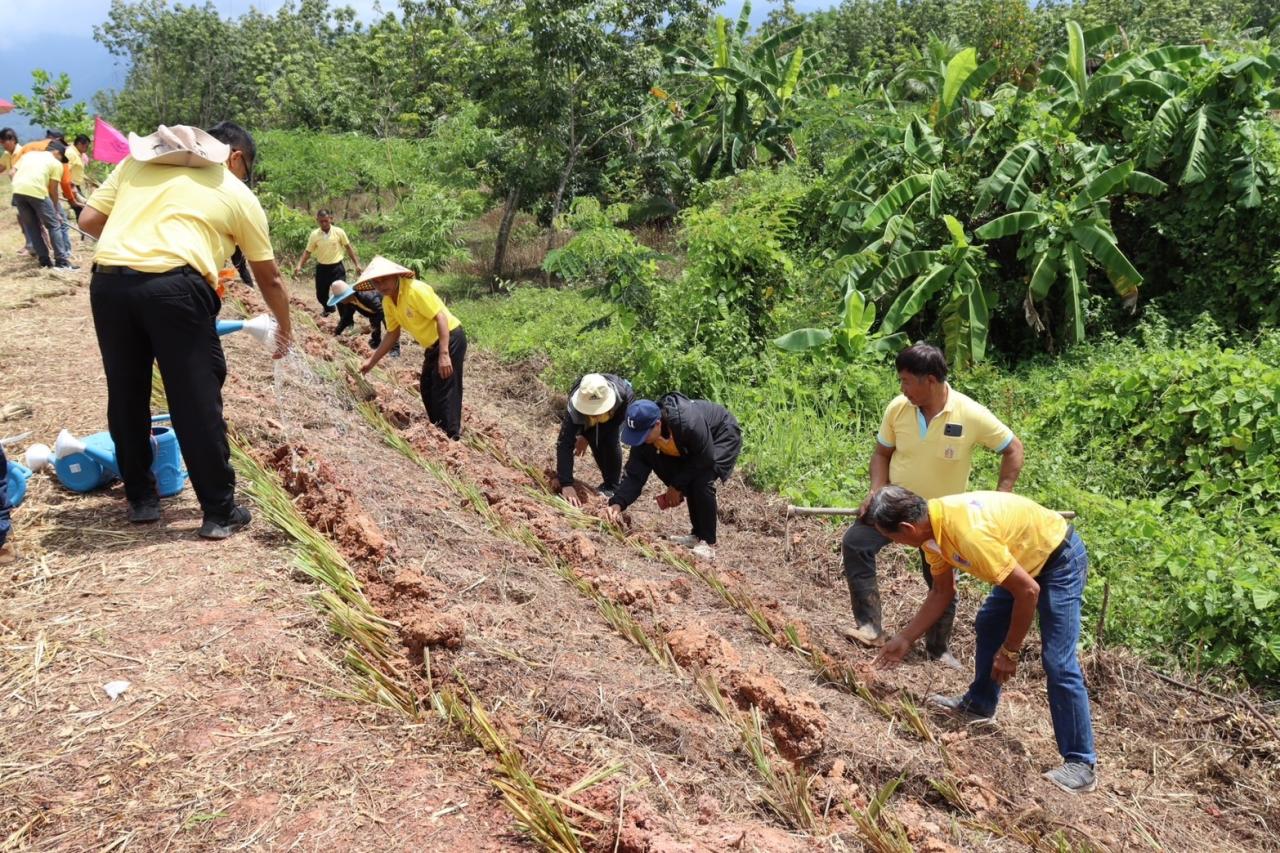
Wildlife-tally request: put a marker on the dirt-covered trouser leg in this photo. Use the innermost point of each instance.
(443, 397)
(346, 318)
(939, 635)
(4, 498)
(169, 318)
(699, 490)
(606, 448)
(29, 219)
(858, 551)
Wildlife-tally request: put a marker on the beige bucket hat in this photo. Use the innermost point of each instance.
(180, 145)
(379, 267)
(594, 396)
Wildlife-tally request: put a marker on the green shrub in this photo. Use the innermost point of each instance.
(422, 231)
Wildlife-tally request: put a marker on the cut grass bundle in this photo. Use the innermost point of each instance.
(880, 831)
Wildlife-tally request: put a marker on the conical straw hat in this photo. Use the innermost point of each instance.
(379, 267)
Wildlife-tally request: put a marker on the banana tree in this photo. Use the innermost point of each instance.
(852, 337)
(732, 101)
(1058, 237)
(1066, 74)
(946, 75)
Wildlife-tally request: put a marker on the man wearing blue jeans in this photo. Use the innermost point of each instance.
(35, 193)
(1038, 565)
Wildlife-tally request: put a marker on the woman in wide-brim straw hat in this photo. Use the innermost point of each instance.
(413, 305)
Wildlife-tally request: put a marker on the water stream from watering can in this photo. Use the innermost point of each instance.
(305, 401)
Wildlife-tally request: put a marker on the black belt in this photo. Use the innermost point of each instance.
(107, 269)
(1062, 546)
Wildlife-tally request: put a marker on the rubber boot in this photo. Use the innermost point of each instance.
(937, 638)
(864, 596)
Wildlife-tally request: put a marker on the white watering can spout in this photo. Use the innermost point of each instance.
(39, 456)
(66, 445)
(261, 328)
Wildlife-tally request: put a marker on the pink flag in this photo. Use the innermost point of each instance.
(109, 144)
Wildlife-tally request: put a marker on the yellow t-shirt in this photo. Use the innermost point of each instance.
(76, 161)
(35, 171)
(934, 459)
(161, 217)
(988, 533)
(416, 310)
(327, 248)
(596, 420)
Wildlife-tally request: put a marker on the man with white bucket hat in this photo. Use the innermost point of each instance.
(593, 418)
(165, 220)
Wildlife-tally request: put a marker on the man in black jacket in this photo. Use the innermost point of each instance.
(348, 301)
(593, 418)
(689, 444)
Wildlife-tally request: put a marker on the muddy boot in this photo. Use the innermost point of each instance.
(864, 595)
(937, 638)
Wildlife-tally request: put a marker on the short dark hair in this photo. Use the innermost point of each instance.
(82, 138)
(323, 212)
(230, 133)
(922, 359)
(57, 147)
(8, 134)
(893, 505)
(55, 134)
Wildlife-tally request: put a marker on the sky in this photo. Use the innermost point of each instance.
(64, 42)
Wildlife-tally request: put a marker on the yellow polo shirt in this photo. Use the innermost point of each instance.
(76, 161)
(934, 459)
(988, 533)
(35, 171)
(415, 309)
(6, 160)
(162, 217)
(327, 248)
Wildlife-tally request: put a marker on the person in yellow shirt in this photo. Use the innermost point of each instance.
(75, 161)
(35, 194)
(165, 219)
(1037, 563)
(327, 243)
(414, 306)
(925, 443)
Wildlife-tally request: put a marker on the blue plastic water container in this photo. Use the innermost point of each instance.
(17, 481)
(92, 469)
(171, 474)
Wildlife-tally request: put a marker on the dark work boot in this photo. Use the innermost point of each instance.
(864, 595)
(937, 638)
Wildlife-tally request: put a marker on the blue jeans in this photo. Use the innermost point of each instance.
(38, 215)
(1061, 594)
(5, 527)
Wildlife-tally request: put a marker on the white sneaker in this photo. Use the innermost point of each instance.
(703, 551)
(685, 541)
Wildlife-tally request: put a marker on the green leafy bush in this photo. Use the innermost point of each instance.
(611, 260)
(422, 231)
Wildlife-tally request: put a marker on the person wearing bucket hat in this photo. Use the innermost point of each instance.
(410, 304)
(165, 219)
(348, 301)
(327, 243)
(593, 418)
(690, 445)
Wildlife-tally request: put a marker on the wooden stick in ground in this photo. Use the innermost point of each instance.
(794, 511)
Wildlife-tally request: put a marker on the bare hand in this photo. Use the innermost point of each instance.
(613, 513)
(297, 271)
(368, 365)
(445, 365)
(1002, 669)
(893, 652)
(282, 346)
(570, 495)
(866, 502)
(580, 445)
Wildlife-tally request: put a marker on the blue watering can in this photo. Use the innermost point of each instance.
(17, 481)
(88, 464)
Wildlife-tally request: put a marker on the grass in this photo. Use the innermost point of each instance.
(879, 830)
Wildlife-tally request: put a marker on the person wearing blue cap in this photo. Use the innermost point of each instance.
(348, 301)
(690, 445)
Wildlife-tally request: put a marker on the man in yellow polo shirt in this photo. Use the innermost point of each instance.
(35, 194)
(168, 216)
(414, 306)
(8, 144)
(1036, 562)
(327, 243)
(925, 443)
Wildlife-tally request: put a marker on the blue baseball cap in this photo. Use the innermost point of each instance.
(641, 416)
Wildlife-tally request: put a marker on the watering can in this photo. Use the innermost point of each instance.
(83, 465)
(261, 328)
(16, 478)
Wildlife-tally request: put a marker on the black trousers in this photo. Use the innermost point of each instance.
(327, 274)
(858, 551)
(443, 397)
(347, 319)
(169, 319)
(699, 489)
(606, 448)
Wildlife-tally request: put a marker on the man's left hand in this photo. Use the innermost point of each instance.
(1003, 668)
(445, 365)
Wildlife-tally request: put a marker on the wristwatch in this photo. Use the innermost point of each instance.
(1013, 656)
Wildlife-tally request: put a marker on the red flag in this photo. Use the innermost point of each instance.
(5, 106)
(109, 144)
